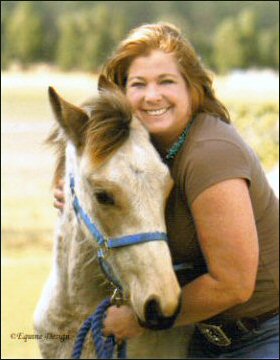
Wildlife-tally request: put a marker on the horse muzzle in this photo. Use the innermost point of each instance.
(155, 320)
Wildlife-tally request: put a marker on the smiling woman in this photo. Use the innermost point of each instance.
(160, 96)
(222, 216)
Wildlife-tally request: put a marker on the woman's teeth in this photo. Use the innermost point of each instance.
(156, 112)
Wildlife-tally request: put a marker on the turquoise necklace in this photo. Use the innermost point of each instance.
(176, 147)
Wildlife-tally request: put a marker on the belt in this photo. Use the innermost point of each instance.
(224, 334)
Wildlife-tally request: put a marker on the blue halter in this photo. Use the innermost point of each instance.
(104, 243)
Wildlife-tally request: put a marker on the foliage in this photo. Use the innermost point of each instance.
(268, 45)
(236, 42)
(84, 40)
(81, 34)
(259, 126)
(227, 38)
(24, 34)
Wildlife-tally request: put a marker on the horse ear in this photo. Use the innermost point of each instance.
(105, 84)
(71, 118)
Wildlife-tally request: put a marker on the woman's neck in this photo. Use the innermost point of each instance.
(163, 142)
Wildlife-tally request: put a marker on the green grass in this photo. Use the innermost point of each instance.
(259, 126)
(23, 276)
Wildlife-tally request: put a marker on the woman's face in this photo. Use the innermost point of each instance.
(159, 94)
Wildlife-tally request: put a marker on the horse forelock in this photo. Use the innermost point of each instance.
(109, 124)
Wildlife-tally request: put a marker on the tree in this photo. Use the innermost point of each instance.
(88, 37)
(235, 43)
(268, 45)
(276, 48)
(70, 45)
(226, 34)
(228, 52)
(99, 38)
(24, 33)
(247, 24)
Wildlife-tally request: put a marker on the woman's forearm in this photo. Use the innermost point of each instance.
(205, 297)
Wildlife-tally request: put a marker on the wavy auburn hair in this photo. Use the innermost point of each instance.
(167, 38)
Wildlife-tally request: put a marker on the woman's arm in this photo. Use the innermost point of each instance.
(227, 234)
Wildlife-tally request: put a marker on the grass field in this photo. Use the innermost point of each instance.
(28, 216)
(23, 275)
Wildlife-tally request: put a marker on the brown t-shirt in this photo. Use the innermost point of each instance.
(214, 152)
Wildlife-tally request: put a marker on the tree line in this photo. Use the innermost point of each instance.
(82, 34)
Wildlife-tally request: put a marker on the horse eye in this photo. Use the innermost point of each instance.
(104, 198)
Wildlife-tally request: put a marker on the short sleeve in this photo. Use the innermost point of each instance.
(213, 161)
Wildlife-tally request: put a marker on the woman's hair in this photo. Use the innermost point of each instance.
(166, 37)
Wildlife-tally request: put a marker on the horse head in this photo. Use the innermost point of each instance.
(122, 185)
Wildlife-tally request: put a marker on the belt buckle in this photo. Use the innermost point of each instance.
(214, 334)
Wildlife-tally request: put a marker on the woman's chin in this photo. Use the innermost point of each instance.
(158, 128)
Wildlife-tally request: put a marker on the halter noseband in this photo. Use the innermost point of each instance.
(104, 243)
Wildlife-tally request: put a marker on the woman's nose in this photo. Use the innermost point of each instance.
(152, 94)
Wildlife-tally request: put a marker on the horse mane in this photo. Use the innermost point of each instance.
(107, 128)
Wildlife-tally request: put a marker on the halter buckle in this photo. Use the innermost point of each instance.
(105, 246)
(117, 297)
(103, 249)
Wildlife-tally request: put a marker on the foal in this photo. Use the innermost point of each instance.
(122, 185)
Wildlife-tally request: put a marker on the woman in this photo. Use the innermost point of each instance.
(222, 216)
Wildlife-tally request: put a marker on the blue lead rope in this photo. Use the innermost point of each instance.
(104, 346)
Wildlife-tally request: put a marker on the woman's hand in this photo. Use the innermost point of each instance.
(59, 199)
(122, 323)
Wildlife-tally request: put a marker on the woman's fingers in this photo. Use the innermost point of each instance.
(59, 205)
(59, 198)
(59, 195)
(60, 184)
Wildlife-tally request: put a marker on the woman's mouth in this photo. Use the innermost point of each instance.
(156, 112)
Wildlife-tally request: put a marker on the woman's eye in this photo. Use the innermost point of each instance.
(104, 198)
(167, 81)
(137, 84)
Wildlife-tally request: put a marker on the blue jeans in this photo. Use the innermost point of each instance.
(262, 343)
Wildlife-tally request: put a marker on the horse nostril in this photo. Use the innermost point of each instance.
(154, 318)
(152, 311)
